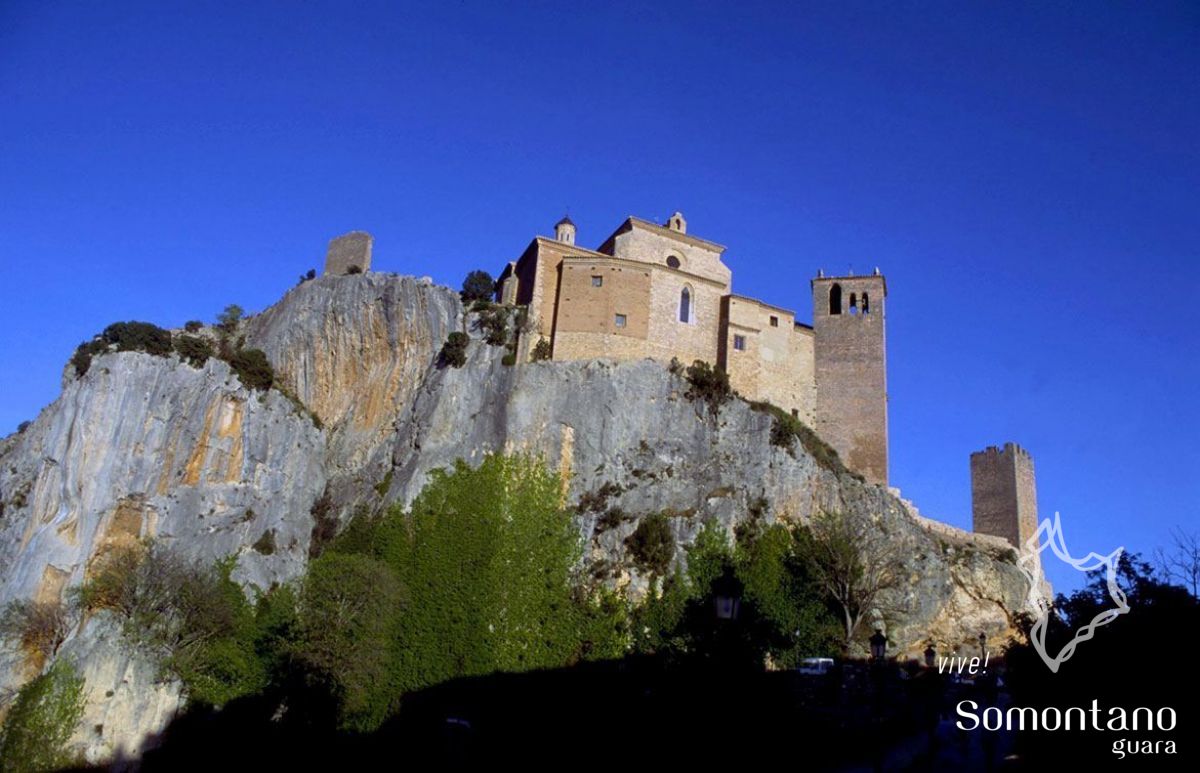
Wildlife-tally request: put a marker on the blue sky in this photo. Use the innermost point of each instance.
(1026, 175)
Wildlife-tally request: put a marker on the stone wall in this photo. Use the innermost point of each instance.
(851, 373)
(352, 250)
(585, 307)
(777, 362)
(649, 243)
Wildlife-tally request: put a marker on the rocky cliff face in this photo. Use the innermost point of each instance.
(145, 446)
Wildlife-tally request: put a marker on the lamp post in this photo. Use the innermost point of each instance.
(727, 598)
(930, 655)
(982, 644)
(878, 645)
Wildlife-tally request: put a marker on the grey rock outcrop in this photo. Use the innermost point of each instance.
(148, 446)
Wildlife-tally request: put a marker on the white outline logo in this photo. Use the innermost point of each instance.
(1028, 564)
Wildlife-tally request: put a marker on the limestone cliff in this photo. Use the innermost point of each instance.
(146, 446)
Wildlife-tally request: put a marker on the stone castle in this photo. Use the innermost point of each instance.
(655, 291)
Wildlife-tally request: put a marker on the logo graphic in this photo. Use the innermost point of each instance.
(1049, 534)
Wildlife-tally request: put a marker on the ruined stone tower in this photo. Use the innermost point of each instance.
(349, 252)
(1004, 494)
(850, 362)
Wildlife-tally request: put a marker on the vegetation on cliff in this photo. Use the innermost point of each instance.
(41, 720)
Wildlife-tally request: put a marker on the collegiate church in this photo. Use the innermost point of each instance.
(656, 291)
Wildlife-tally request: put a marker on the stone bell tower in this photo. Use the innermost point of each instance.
(850, 359)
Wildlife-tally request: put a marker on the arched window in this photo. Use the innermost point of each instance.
(685, 305)
(672, 261)
(835, 299)
(853, 303)
(866, 307)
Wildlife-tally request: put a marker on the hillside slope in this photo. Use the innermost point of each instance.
(145, 446)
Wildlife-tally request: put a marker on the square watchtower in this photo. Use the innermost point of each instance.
(1004, 493)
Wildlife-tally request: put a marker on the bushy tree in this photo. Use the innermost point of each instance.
(487, 556)
(652, 545)
(228, 320)
(252, 368)
(351, 608)
(190, 617)
(454, 351)
(194, 350)
(478, 286)
(41, 720)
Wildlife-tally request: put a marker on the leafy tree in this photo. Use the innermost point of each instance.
(228, 320)
(487, 555)
(350, 612)
(478, 286)
(855, 561)
(41, 720)
(192, 619)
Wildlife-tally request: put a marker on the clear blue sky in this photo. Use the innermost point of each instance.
(1026, 175)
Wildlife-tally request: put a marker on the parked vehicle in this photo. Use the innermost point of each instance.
(815, 666)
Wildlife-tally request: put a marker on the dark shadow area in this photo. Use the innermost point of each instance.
(636, 711)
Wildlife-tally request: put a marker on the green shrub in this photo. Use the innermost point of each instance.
(652, 544)
(493, 321)
(308, 277)
(454, 351)
(41, 721)
(266, 543)
(194, 350)
(126, 337)
(23, 426)
(252, 368)
(788, 428)
(193, 326)
(478, 286)
(508, 360)
(708, 383)
(542, 350)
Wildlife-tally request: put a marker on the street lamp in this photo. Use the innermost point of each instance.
(982, 645)
(930, 654)
(727, 597)
(878, 645)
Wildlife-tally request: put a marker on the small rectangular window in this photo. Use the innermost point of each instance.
(597, 281)
(739, 343)
(619, 320)
(774, 321)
